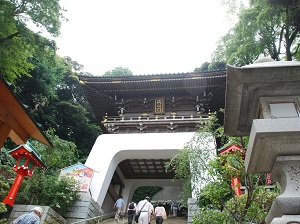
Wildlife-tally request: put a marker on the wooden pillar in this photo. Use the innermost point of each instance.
(236, 185)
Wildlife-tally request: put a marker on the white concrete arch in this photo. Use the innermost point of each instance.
(110, 149)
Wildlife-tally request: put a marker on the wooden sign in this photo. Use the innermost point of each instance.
(159, 105)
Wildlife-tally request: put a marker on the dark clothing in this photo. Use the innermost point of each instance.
(167, 208)
(130, 216)
(159, 220)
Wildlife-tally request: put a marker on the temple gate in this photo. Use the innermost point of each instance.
(146, 120)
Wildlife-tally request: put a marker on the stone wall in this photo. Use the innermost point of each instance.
(49, 215)
(85, 208)
(168, 193)
(192, 209)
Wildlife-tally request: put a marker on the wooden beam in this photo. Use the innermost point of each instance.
(17, 133)
(13, 112)
(113, 193)
(4, 130)
(17, 138)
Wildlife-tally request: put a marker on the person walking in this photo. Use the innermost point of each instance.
(168, 208)
(174, 207)
(144, 207)
(152, 213)
(158, 213)
(120, 206)
(131, 211)
(34, 217)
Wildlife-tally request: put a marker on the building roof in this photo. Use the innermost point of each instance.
(33, 154)
(15, 120)
(102, 91)
(229, 148)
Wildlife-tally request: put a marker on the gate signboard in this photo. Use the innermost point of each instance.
(82, 174)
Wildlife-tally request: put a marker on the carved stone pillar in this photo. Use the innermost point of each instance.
(286, 172)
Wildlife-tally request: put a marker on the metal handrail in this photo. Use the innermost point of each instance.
(93, 218)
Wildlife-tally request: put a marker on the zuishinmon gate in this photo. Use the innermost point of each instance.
(147, 119)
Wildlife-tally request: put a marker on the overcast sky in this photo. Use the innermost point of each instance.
(145, 36)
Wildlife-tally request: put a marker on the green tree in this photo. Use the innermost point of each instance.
(290, 28)
(44, 187)
(217, 66)
(55, 99)
(7, 175)
(202, 68)
(190, 163)
(216, 198)
(73, 113)
(18, 41)
(39, 90)
(71, 120)
(213, 66)
(219, 195)
(264, 28)
(118, 71)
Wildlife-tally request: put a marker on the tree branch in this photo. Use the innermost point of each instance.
(293, 36)
(9, 37)
(297, 48)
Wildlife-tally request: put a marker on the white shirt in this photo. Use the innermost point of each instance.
(147, 206)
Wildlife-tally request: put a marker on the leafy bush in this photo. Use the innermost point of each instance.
(7, 175)
(2, 210)
(211, 216)
(217, 199)
(44, 187)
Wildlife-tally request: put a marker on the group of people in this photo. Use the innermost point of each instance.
(145, 209)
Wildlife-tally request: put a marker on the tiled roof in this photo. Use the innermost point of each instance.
(101, 91)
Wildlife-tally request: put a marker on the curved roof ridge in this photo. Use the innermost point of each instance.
(173, 75)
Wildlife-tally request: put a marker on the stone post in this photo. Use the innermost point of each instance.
(263, 99)
(286, 171)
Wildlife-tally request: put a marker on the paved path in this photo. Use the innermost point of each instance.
(178, 220)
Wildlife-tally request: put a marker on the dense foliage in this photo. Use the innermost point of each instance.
(216, 197)
(44, 187)
(18, 42)
(265, 27)
(214, 66)
(55, 99)
(118, 72)
(190, 163)
(47, 84)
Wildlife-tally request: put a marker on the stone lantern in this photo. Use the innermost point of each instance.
(27, 158)
(263, 101)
